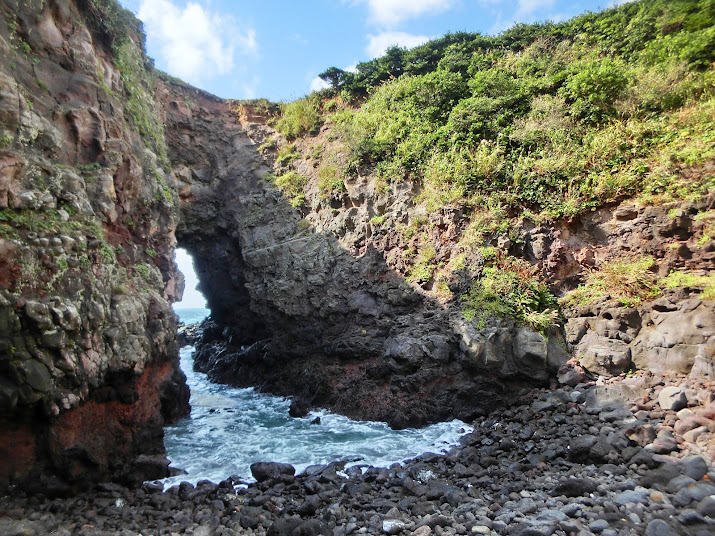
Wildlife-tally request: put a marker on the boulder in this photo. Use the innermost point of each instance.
(672, 398)
(263, 471)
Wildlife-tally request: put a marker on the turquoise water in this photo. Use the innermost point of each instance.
(230, 428)
(192, 316)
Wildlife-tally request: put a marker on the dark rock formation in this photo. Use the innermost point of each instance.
(299, 312)
(88, 354)
(314, 303)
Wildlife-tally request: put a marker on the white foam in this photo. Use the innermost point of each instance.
(229, 429)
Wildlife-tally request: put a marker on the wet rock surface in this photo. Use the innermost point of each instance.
(557, 462)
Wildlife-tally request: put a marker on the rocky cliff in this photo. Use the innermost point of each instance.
(351, 294)
(88, 355)
(316, 301)
(314, 309)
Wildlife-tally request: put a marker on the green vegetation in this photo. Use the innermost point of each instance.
(547, 119)
(707, 218)
(267, 145)
(113, 23)
(143, 271)
(684, 279)
(424, 266)
(292, 184)
(286, 154)
(329, 181)
(300, 117)
(44, 221)
(629, 282)
(140, 107)
(88, 168)
(258, 106)
(511, 288)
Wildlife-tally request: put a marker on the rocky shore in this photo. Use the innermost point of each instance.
(628, 455)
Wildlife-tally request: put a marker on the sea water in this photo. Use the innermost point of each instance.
(229, 429)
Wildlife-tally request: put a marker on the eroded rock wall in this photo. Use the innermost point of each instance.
(316, 302)
(88, 355)
(299, 311)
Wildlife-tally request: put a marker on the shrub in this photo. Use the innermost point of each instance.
(676, 279)
(629, 282)
(300, 117)
(292, 184)
(511, 288)
(329, 181)
(286, 154)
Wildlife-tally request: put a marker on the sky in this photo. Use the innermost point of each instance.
(276, 49)
(192, 299)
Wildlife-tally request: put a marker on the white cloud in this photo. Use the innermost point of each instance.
(526, 7)
(194, 43)
(317, 83)
(392, 12)
(378, 44)
(249, 86)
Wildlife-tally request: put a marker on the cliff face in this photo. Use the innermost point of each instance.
(105, 167)
(315, 301)
(88, 357)
(301, 312)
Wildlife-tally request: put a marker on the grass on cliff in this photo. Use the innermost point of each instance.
(292, 183)
(543, 122)
(704, 283)
(300, 117)
(628, 282)
(511, 288)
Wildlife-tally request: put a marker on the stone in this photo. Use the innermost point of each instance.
(284, 526)
(393, 526)
(662, 445)
(263, 471)
(695, 467)
(691, 423)
(672, 398)
(20, 527)
(631, 497)
(706, 507)
(575, 487)
(658, 527)
(691, 436)
(571, 373)
(580, 447)
(599, 525)
(640, 433)
(604, 356)
(679, 482)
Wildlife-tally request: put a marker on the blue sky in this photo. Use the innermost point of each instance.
(276, 49)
